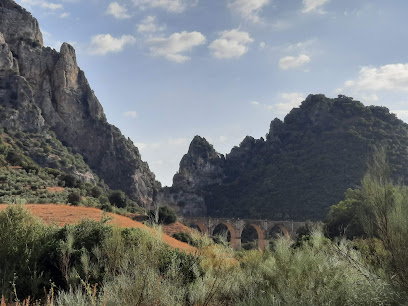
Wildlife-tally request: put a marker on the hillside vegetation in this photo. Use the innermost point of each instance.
(302, 167)
(37, 168)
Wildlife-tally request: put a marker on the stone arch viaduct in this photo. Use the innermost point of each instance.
(263, 228)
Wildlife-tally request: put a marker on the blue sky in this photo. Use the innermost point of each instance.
(166, 70)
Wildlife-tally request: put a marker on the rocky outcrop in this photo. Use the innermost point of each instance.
(200, 168)
(47, 88)
(304, 166)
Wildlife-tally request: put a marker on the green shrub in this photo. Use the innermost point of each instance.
(25, 243)
(117, 198)
(74, 198)
(166, 215)
(96, 192)
(185, 237)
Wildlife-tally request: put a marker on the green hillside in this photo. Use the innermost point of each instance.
(37, 168)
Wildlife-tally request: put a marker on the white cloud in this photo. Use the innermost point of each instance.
(148, 25)
(289, 62)
(231, 44)
(173, 47)
(43, 4)
(118, 11)
(249, 9)
(301, 46)
(64, 15)
(286, 101)
(402, 114)
(290, 100)
(310, 6)
(262, 45)
(393, 77)
(130, 114)
(141, 145)
(102, 44)
(370, 98)
(174, 6)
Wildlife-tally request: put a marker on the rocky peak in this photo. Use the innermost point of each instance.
(67, 67)
(311, 112)
(201, 148)
(42, 87)
(201, 166)
(17, 24)
(275, 129)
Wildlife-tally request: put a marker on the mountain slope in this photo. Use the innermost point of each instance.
(43, 91)
(304, 165)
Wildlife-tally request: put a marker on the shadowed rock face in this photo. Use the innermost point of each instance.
(303, 167)
(201, 167)
(46, 89)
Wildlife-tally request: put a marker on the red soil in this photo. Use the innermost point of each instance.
(176, 227)
(63, 214)
(55, 189)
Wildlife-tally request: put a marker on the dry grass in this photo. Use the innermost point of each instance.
(175, 228)
(55, 189)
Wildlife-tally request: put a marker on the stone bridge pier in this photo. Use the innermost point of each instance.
(265, 228)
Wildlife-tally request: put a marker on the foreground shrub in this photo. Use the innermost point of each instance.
(94, 263)
(378, 212)
(25, 242)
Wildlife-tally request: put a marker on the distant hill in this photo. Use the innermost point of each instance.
(304, 165)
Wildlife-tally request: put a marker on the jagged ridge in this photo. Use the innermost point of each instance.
(42, 89)
(303, 167)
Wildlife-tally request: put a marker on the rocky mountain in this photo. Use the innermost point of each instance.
(302, 167)
(43, 91)
(200, 167)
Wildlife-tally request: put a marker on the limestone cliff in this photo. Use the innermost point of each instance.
(201, 167)
(42, 89)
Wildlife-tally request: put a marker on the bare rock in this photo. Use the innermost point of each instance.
(47, 87)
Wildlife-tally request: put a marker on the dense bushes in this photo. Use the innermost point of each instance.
(185, 237)
(93, 263)
(377, 211)
(25, 242)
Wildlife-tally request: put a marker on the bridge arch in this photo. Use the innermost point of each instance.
(231, 230)
(278, 228)
(265, 228)
(203, 229)
(259, 232)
